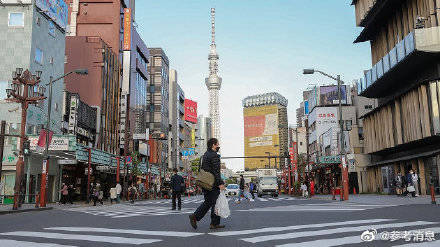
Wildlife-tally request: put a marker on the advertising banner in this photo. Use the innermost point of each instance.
(57, 10)
(261, 134)
(127, 29)
(190, 111)
(328, 95)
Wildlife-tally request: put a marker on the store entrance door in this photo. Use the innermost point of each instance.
(387, 179)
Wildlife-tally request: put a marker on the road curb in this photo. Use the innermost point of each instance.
(24, 210)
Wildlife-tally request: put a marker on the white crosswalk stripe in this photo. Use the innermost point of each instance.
(93, 238)
(124, 211)
(14, 243)
(121, 237)
(317, 207)
(357, 229)
(357, 240)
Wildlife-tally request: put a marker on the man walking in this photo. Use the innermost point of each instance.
(177, 185)
(415, 180)
(251, 189)
(210, 163)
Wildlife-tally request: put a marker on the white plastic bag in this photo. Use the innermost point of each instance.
(222, 206)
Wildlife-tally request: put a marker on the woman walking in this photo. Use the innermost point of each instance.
(64, 193)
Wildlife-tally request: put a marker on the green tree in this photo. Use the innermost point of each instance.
(136, 160)
(195, 165)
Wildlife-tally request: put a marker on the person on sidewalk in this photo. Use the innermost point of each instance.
(70, 193)
(118, 192)
(241, 191)
(64, 193)
(178, 187)
(415, 180)
(210, 163)
(133, 192)
(113, 195)
(398, 183)
(304, 190)
(410, 187)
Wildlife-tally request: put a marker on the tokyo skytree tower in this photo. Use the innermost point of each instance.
(213, 82)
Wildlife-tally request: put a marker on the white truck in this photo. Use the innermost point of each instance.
(267, 182)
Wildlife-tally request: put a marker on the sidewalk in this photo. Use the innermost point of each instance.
(374, 199)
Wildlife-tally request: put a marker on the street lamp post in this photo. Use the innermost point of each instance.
(25, 91)
(45, 167)
(268, 153)
(343, 154)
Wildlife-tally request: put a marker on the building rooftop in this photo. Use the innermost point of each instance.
(264, 99)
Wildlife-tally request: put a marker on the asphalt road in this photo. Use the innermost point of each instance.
(264, 222)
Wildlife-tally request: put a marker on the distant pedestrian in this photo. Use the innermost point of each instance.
(211, 164)
(398, 183)
(251, 189)
(98, 195)
(113, 195)
(241, 192)
(133, 192)
(415, 180)
(304, 190)
(410, 187)
(118, 192)
(64, 193)
(141, 188)
(70, 193)
(312, 188)
(178, 187)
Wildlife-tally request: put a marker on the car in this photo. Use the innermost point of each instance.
(232, 190)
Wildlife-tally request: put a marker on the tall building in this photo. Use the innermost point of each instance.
(402, 132)
(214, 82)
(204, 131)
(158, 102)
(176, 115)
(265, 131)
(33, 38)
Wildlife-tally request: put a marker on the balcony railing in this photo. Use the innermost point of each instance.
(378, 80)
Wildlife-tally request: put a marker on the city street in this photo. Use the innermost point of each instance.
(283, 221)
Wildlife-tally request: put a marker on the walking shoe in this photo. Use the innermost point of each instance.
(216, 226)
(193, 221)
(173, 209)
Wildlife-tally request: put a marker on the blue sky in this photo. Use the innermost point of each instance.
(263, 46)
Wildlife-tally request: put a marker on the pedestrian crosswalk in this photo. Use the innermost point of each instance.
(306, 235)
(199, 199)
(124, 211)
(84, 236)
(317, 207)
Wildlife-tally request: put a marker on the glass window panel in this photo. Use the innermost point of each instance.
(51, 28)
(386, 63)
(434, 107)
(393, 57)
(39, 56)
(16, 19)
(400, 50)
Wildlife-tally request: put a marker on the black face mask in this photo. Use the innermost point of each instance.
(217, 149)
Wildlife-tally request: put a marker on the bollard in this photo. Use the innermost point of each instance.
(37, 200)
(433, 195)
(333, 193)
(354, 191)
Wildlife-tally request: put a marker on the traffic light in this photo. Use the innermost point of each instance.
(26, 147)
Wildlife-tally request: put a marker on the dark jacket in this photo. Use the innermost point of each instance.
(241, 183)
(177, 183)
(211, 163)
(409, 179)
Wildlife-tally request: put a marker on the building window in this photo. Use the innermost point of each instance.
(51, 29)
(368, 107)
(16, 19)
(300, 143)
(38, 56)
(361, 133)
(38, 20)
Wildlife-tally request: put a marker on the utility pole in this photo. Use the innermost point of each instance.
(307, 143)
(2, 145)
(344, 168)
(296, 150)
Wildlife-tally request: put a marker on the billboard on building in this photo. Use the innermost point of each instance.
(328, 95)
(261, 135)
(127, 29)
(190, 111)
(57, 10)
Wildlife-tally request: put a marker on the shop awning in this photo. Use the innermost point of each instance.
(408, 157)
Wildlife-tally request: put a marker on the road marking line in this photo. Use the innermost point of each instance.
(354, 240)
(15, 243)
(297, 227)
(125, 231)
(332, 231)
(262, 199)
(93, 238)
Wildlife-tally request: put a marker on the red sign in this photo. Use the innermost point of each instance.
(190, 111)
(254, 125)
(42, 138)
(127, 29)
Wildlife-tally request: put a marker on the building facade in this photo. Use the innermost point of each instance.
(32, 38)
(402, 132)
(158, 101)
(176, 116)
(204, 131)
(298, 135)
(265, 131)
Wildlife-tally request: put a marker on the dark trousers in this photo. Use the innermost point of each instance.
(252, 193)
(209, 203)
(178, 195)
